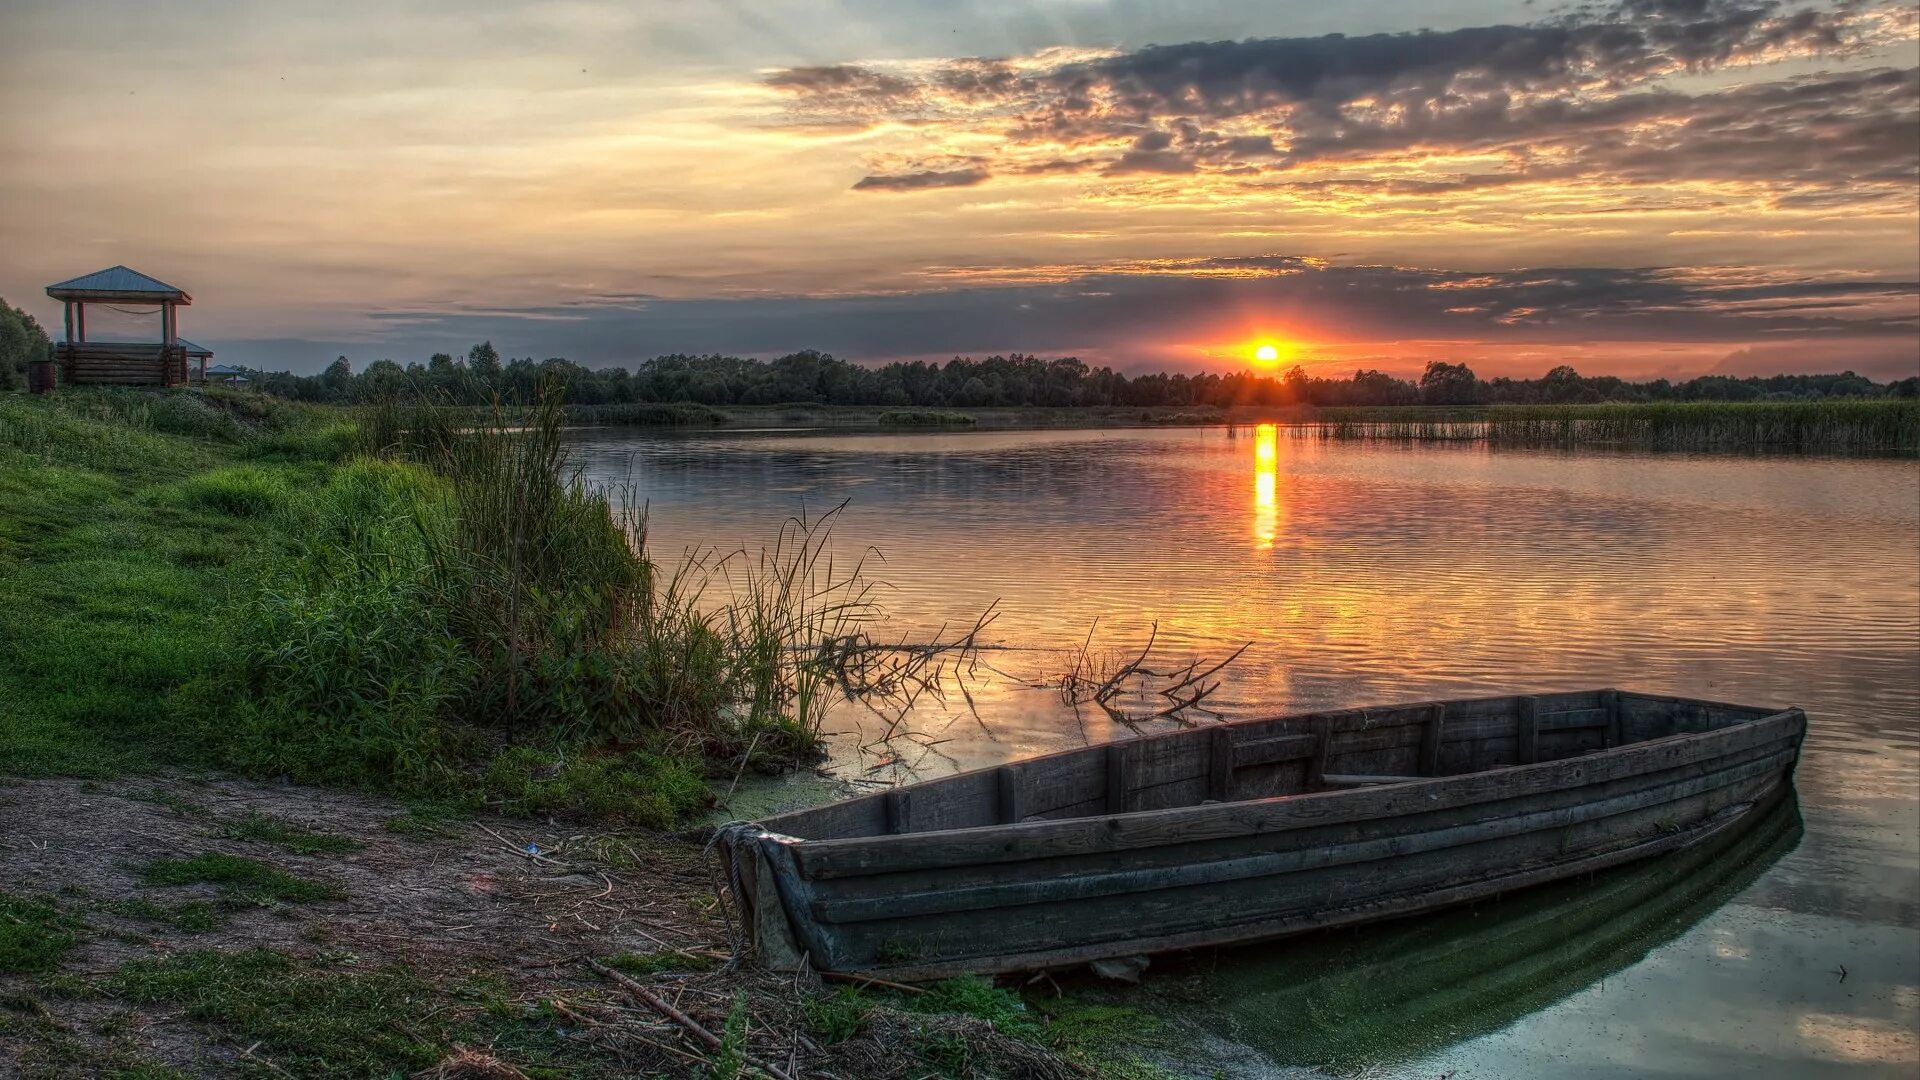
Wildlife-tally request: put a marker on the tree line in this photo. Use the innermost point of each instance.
(817, 378)
(810, 377)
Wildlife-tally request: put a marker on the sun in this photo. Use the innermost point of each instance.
(1271, 352)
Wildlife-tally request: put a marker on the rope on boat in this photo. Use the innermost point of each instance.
(726, 879)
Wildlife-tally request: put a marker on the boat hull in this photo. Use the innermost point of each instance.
(1031, 894)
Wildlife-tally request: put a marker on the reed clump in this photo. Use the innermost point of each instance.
(663, 414)
(1850, 426)
(469, 617)
(925, 418)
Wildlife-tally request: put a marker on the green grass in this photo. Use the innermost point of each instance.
(47, 1046)
(645, 788)
(329, 1023)
(109, 603)
(179, 804)
(641, 965)
(192, 917)
(970, 995)
(1107, 1039)
(34, 935)
(310, 1023)
(266, 829)
(422, 821)
(240, 879)
(423, 603)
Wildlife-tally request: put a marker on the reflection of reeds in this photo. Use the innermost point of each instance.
(1853, 426)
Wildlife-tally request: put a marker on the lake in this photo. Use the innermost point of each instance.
(1370, 573)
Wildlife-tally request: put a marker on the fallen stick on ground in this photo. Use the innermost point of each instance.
(868, 980)
(661, 1006)
(521, 851)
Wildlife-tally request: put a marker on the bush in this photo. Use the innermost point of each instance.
(462, 618)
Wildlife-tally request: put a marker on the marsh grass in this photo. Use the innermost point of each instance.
(669, 414)
(1873, 426)
(925, 418)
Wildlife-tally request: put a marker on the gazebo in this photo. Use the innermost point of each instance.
(197, 357)
(121, 362)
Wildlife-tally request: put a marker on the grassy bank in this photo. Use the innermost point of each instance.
(422, 622)
(429, 605)
(1868, 426)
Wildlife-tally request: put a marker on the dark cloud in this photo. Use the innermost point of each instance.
(917, 181)
(1881, 360)
(1126, 314)
(838, 79)
(1151, 161)
(1594, 88)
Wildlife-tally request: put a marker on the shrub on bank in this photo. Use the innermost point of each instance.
(462, 617)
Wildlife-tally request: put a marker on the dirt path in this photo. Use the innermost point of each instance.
(478, 945)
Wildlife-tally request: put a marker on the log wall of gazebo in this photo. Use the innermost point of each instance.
(127, 363)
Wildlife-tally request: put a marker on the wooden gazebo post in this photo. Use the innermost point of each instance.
(82, 361)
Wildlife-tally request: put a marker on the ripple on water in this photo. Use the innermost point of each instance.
(1367, 574)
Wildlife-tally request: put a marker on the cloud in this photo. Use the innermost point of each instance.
(1879, 359)
(1142, 314)
(1610, 95)
(918, 181)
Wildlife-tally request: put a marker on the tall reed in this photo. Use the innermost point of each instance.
(1873, 426)
(573, 629)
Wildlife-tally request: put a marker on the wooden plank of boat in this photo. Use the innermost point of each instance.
(1251, 830)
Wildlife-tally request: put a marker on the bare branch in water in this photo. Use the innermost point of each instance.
(1186, 688)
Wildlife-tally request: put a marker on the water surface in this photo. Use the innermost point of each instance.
(1371, 573)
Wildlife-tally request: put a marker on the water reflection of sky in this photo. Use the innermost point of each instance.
(1378, 573)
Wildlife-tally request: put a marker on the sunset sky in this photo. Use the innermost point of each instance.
(1649, 187)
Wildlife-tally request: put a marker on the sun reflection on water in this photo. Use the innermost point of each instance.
(1266, 485)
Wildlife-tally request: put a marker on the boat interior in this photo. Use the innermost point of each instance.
(1268, 758)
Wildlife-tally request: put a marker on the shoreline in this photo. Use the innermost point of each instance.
(206, 881)
(1867, 426)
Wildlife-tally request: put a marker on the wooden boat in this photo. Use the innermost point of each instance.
(1251, 830)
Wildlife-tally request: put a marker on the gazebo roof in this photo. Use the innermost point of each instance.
(118, 283)
(192, 349)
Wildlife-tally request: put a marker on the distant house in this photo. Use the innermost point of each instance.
(132, 363)
(226, 375)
